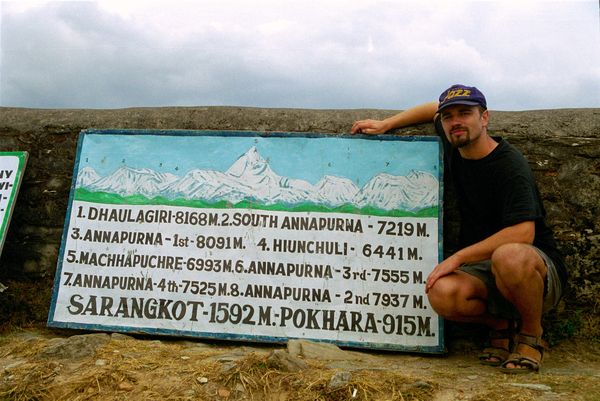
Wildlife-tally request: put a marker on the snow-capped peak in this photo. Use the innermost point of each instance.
(249, 164)
(87, 176)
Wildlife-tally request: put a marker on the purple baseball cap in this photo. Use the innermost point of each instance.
(461, 94)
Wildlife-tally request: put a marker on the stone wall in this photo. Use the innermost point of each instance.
(563, 147)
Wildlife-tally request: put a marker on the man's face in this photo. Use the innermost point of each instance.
(463, 124)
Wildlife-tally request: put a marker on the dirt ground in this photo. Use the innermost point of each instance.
(41, 364)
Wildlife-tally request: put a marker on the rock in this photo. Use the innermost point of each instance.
(421, 385)
(530, 386)
(447, 395)
(195, 344)
(194, 352)
(228, 367)
(120, 336)
(125, 386)
(339, 380)
(294, 347)
(281, 360)
(320, 351)
(75, 347)
(226, 358)
(14, 364)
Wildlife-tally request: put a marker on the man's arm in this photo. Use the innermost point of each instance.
(519, 233)
(415, 115)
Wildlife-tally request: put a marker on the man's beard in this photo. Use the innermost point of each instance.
(463, 140)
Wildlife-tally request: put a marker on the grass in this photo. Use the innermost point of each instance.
(128, 368)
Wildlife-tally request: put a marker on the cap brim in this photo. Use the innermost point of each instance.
(458, 101)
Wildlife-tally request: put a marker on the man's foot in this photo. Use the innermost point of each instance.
(500, 346)
(527, 356)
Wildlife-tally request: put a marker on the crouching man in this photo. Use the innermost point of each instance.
(508, 270)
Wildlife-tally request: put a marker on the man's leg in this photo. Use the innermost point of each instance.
(520, 275)
(462, 297)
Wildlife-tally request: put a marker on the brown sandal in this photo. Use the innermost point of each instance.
(499, 353)
(527, 364)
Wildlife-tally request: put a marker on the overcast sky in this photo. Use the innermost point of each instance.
(309, 54)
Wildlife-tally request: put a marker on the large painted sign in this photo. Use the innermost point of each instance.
(250, 236)
(12, 167)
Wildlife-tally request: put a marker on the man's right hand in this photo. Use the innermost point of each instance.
(415, 115)
(369, 127)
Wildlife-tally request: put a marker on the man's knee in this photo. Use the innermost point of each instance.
(515, 260)
(508, 254)
(458, 296)
(436, 296)
(443, 297)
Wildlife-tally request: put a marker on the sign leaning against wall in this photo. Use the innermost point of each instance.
(12, 168)
(253, 236)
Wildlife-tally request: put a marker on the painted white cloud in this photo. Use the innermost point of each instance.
(326, 54)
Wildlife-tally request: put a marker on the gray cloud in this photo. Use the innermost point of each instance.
(329, 55)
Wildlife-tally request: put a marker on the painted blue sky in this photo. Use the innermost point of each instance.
(295, 157)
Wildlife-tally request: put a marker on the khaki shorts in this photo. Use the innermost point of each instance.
(497, 305)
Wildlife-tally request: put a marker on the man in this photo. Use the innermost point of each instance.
(508, 270)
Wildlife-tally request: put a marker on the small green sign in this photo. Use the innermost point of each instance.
(12, 166)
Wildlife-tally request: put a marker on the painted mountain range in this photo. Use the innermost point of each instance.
(251, 178)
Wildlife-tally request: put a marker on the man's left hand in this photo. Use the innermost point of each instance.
(443, 269)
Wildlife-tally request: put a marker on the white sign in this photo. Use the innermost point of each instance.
(249, 253)
(12, 166)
